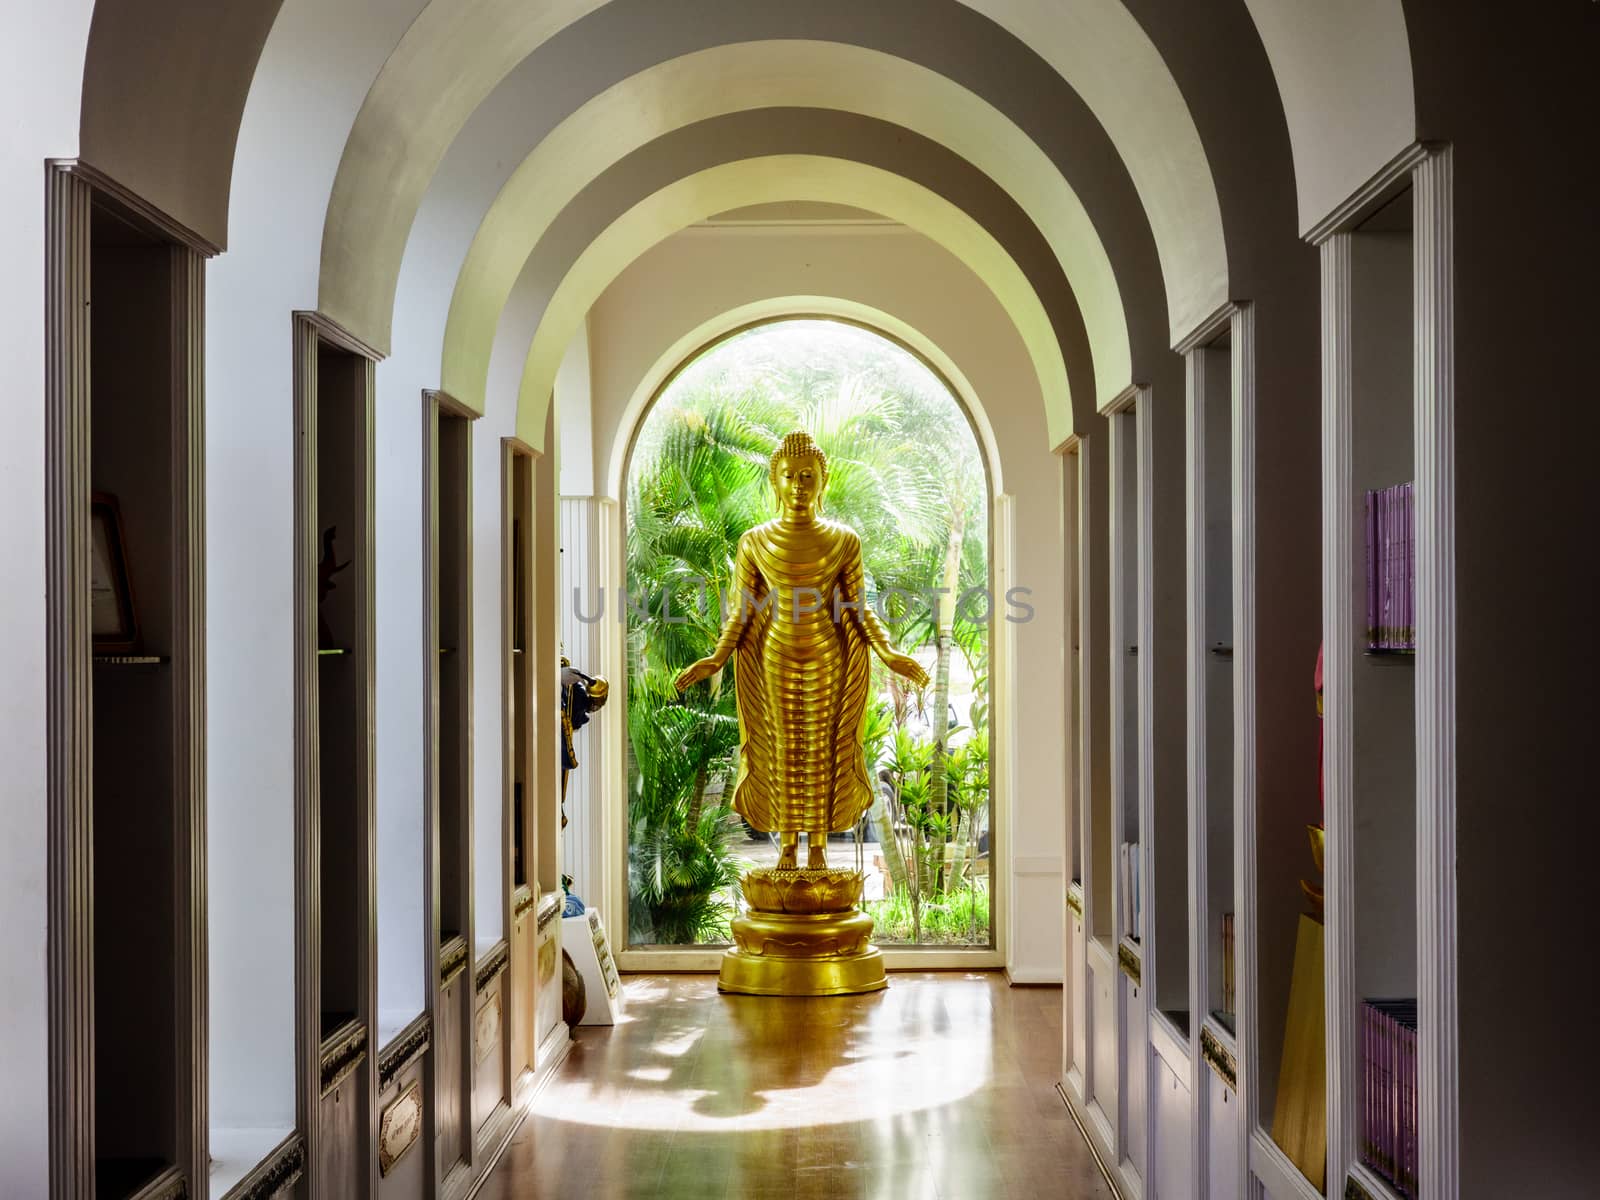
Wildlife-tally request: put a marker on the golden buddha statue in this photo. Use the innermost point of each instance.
(799, 630)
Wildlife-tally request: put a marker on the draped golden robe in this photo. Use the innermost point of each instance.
(801, 635)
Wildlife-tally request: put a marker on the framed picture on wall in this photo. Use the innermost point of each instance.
(111, 612)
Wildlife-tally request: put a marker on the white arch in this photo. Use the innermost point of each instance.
(796, 73)
(458, 51)
(762, 180)
(1344, 75)
(1101, 50)
(776, 308)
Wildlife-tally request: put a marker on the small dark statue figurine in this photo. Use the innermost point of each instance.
(327, 567)
(574, 995)
(581, 696)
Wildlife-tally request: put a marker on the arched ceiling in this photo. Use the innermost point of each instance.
(1105, 55)
(761, 180)
(398, 140)
(1344, 78)
(702, 335)
(740, 77)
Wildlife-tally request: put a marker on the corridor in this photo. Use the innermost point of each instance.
(942, 1086)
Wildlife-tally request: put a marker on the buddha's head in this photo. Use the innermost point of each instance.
(799, 472)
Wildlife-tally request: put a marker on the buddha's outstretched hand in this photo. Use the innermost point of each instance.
(907, 668)
(695, 672)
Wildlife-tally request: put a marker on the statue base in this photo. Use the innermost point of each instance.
(802, 936)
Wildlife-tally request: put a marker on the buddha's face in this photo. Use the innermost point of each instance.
(799, 485)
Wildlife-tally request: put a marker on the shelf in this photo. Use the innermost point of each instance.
(1178, 1018)
(1391, 655)
(1367, 1184)
(236, 1153)
(1222, 651)
(130, 660)
(125, 1176)
(334, 1022)
(1225, 1022)
(331, 651)
(447, 649)
(1283, 1180)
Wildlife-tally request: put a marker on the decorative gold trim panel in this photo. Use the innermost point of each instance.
(1128, 960)
(341, 1054)
(403, 1050)
(1218, 1059)
(452, 959)
(493, 963)
(282, 1169)
(549, 909)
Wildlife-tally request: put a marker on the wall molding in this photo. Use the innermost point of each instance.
(68, 687)
(403, 1049)
(169, 228)
(1438, 1000)
(452, 959)
(1217, 1056)
(492, 966)
(1208, 329)
(1338, 725)
(340, 1055)
(449, 405)
(1196, 409)
(335, 334)
(1123, 400)
(1129, 961)
(1387, 182)
(1244, 454)
(310, 331)
(522, 901)
(72, 192)
(188, 669)
(275, 1174)
(171, 1184)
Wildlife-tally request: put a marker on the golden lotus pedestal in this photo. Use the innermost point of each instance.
(802, 936)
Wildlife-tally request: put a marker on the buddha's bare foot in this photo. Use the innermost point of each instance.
(817, 858)
(787, 858)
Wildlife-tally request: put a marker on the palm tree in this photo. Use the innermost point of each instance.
(699, 480)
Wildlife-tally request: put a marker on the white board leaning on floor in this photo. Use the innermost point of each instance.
(584, 937)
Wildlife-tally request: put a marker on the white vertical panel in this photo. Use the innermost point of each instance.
(581, 587)
(1170, 1172)
(1438, 1003)
(1338, 632)
(1243, 469)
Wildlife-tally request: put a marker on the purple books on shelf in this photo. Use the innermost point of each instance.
(1408, 590)
(1372, 569)
(1391, 568)
(1389, 1091)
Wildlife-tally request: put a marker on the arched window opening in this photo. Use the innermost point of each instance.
(906, 472)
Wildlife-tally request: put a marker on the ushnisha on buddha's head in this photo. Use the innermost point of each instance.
(798, 473)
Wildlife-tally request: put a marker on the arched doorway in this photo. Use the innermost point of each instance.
(908, 472)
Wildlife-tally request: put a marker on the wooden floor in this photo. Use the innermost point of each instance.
(942, 1086)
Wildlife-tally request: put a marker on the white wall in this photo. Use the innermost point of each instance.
(695, 276)
(39, 90)
(314, 71)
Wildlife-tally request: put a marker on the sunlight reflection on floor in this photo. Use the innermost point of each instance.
(750, 1070)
